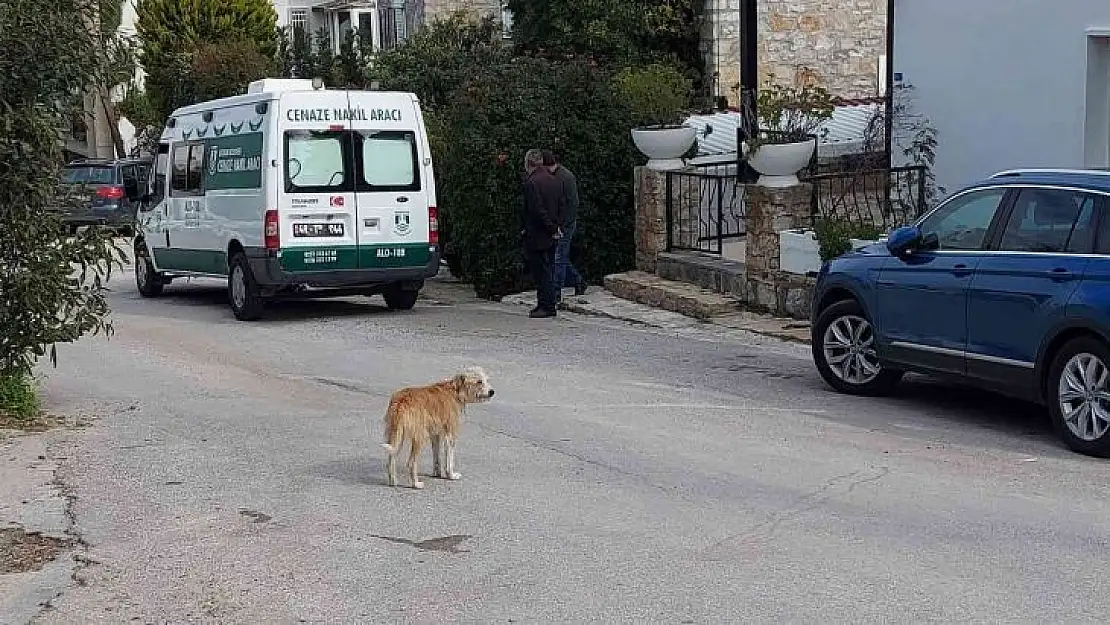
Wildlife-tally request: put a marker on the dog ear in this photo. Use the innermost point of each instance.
(459, 384)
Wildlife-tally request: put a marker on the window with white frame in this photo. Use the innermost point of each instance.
(506, 20)
(298, 19)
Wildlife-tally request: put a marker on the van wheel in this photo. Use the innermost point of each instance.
(844, 351)
(242, 290)
(1078, 393)
(149, 282)
(397, 298)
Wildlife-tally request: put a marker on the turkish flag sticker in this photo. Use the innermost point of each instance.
(337, 200)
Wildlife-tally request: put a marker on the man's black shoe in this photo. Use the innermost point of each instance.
(541, 314)
(580, 289)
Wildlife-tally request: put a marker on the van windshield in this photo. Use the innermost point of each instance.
(330, 161)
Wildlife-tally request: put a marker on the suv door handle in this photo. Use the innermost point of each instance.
(961, 270)
(1061, 274)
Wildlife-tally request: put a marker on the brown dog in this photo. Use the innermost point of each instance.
(431, 412)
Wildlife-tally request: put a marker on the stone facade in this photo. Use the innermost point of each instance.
(440, 8)
(832, 43)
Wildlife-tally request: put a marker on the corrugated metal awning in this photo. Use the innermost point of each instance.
(845, 133)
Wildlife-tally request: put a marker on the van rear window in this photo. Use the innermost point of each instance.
(342, 161)
(315, 162)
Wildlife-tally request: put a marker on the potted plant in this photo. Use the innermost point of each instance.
(791, 119)
(657, 96)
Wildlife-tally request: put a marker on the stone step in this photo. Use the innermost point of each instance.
(679, 297)
(708, 272)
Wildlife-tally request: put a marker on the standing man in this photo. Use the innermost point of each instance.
(565, 273)
(542, 230)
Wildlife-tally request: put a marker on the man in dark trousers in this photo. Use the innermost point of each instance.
(542, 230)
(565, 273)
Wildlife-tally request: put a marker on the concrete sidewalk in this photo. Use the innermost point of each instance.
(601, 303)
(32, 509)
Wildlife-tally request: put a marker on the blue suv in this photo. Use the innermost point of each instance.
(1004, 285)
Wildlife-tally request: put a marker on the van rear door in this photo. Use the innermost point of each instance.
(316, 202)
(391, 194)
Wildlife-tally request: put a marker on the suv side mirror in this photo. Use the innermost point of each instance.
(904, 240)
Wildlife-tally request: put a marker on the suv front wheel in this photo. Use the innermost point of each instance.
(844, 351)
(1078, 393)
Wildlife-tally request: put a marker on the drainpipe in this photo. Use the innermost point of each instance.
(749, 79)
(889, 125)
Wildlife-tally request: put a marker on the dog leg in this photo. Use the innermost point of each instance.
(437, 444)
(451, 473)
(391, 463)
(414, 470)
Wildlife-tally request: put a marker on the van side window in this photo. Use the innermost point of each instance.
(180, 179)
(161, 172)
(188, 169)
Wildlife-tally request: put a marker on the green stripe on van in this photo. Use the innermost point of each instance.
(196, 261)
(355, 257)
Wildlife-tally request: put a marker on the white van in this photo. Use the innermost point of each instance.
(293, 191)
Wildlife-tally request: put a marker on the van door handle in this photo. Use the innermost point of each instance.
(961, 270)
(1060, 274)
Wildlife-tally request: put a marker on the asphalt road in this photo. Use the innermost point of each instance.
(233, 474)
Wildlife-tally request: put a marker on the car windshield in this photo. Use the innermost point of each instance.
(88, 174)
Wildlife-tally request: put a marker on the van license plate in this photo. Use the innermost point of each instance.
(318, 230)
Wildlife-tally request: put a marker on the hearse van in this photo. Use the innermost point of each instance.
(292, 191)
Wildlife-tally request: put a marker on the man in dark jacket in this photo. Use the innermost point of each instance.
(542, 230)
(565, 273)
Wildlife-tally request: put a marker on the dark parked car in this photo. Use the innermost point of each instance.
(113, 192)
(1005, 285)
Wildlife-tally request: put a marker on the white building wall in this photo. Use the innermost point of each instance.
(1004, 83)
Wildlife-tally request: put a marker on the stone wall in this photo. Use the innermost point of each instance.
(440, 8)
(832, 43)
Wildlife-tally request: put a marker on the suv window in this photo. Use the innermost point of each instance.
(962, 223)
(1050, 220)
(88, 174)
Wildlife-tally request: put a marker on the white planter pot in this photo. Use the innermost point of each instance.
(664, 147)
(779, 164)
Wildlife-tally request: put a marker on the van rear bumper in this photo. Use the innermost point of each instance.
(270, 275)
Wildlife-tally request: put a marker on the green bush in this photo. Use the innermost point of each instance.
(52, 287)
(570, 107)
(834, 236)
(17, 396)
(657, 94)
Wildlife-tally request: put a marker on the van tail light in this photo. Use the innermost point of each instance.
(433, 225)
(272, 233)
(110, 193)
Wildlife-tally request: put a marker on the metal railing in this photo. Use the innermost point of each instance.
(883, 198)
(704, 208)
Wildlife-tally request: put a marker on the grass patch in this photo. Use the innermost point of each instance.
(19, 401)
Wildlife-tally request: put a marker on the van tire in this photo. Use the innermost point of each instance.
(147, 279)
(397, 298)
(242, 290)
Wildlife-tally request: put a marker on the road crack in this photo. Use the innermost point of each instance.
(765, 530)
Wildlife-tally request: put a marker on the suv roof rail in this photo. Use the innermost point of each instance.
(1081, 172)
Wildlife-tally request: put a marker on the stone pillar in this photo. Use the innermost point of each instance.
(770, 211)
(651, 216)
